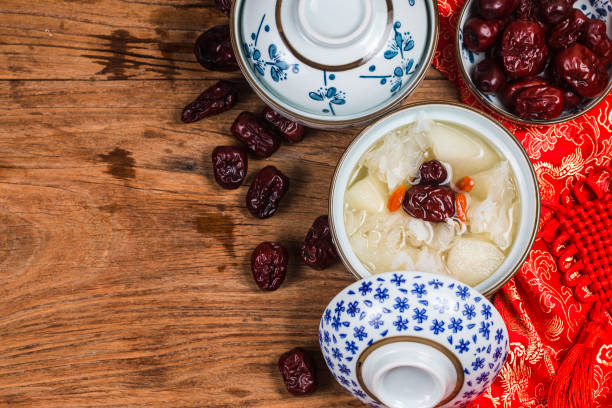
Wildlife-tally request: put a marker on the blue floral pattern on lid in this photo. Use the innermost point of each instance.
(432, 307)
(329, 95)
(278, 67)
(398, 47)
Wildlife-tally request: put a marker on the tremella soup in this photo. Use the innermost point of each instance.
(435, 197)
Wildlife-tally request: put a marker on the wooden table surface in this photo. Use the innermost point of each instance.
(124, 268)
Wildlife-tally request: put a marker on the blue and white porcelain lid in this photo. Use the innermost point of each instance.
(333, 63)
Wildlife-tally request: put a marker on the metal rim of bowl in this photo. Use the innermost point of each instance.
(504, 113)
(334, 124)
(520, 261)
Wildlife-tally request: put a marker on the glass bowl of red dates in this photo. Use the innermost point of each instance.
(536, 62)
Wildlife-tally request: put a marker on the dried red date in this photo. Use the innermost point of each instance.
(492, 9)
(429, 203)
(479, 34)
(568, 31)
(494, 52)
(526, 10)
(229, 166)
(509, 92)
(581, 69)
(225, 6)
(255, 134)
(292, 131)
(488, 76)
(554, 77)
(298, 370)
(214, 51)
(216, 99)
(318, 250)
(553, 11)
(524, 49)
(269, 265)
(570, 99)
(432, 172)
(597, 40)
(266, 191)
(539, 102)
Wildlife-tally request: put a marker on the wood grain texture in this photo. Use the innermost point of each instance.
(124, 269)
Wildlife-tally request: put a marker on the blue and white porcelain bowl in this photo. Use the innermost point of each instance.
(413, 340)
(467, 59)
(334, 63)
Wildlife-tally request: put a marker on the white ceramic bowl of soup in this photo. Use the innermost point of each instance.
(482, 127)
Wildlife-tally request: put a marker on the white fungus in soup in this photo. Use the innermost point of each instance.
(468, 245)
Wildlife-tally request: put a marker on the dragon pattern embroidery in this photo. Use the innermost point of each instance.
(542, 316)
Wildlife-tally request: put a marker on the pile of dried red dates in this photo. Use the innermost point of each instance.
(260, 136)
(542, 56)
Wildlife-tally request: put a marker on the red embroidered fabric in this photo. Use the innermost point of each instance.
(543, 316)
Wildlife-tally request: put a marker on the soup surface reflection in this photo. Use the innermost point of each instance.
(399, 217)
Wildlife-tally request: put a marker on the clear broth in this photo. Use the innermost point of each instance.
(386, 241)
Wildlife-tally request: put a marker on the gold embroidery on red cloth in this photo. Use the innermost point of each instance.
(602, 382)
(541, 266)
(514, 377)
(604, 118)
(604, 356)
(554, 328)
(571, 165)
(541, 395)
(494, 400)
(536, 142)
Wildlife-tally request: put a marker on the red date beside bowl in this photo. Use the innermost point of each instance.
(266, 191)
(255, 133)
(229, 166)
(269, 265)
(318, 250)
(298, 370)
(290, 130)
(218, 98)
(225, 6)
(214, 51)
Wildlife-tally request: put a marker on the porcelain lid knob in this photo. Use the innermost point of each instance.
(409, 375)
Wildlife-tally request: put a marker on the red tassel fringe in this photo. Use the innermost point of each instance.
(573, 386)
